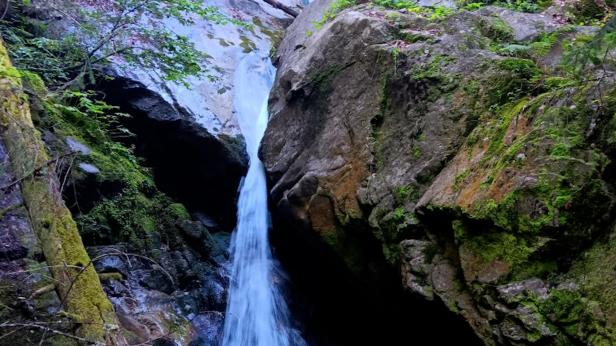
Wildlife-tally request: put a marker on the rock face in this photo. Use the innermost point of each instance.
(209, 101)
(188, 162)
(456, 147)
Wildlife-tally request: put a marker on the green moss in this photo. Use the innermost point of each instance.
(322, 79)
(332, 11)
(133, 218)
(579, 317)
(555, 82)
(247, 44)
(535, 269)
(80, 290)
(518, 78)
(433, 69)
(179, 212)
(493, 245)
(33, 82)
(496, 29)
(91, 122)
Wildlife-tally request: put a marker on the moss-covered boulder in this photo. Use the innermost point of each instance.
(463, 151)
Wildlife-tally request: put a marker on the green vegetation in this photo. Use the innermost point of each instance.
(433, 69)
(516, 5)
(107, 32)
(585, 53)
(332, 11)
(138, 213)
(493, 245)
(518, 78)
(579, 317)
(496, 29)
(79, 289)
(432, 13)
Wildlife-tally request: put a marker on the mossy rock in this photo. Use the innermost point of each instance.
(496, 29)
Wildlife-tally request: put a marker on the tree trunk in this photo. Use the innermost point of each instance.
(79, 289)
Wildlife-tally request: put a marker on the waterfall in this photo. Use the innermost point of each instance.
(256, 312)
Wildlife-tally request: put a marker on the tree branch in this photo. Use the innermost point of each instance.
(286, 9)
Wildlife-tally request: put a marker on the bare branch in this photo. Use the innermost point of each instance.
(286, 9)
(46, 329)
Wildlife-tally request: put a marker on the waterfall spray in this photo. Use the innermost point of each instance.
(257, 314)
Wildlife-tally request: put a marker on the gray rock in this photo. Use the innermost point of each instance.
(89, 168)
(416, 267)
(208, 101)
(526, 26)
(515, 291)
(198, 237)
(76, 146)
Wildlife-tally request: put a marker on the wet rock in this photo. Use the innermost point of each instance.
(210, 327)
(511, 293)
(78, 147)
(163, 299)
(417, 266)
(188, 161)
(89, 168)
(198, 237)
(157, 280)
(220, 249)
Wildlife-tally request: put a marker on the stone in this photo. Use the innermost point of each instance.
(416, 267)
(511, 292)
(375, 131)
(76, 146)
(89, 168)
(197, 236)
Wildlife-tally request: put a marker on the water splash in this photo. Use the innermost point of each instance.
(257, 314)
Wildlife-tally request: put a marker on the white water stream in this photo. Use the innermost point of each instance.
(257, 314)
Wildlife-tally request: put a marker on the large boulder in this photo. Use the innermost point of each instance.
(456, 147)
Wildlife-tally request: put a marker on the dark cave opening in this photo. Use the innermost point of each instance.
(333, 307)
(189, 164)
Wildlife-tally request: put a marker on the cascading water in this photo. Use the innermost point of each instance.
(257, 314)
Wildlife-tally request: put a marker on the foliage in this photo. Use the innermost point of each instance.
(397, 4)
(496, 29)
(49, 58)
(518, 78)
(433, 13)
(334, 8)
(129, 30)
(138, 214)
(131, 217)
(587, 52)
(516, 5)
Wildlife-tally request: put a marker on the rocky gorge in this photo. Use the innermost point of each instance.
(436, 173)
